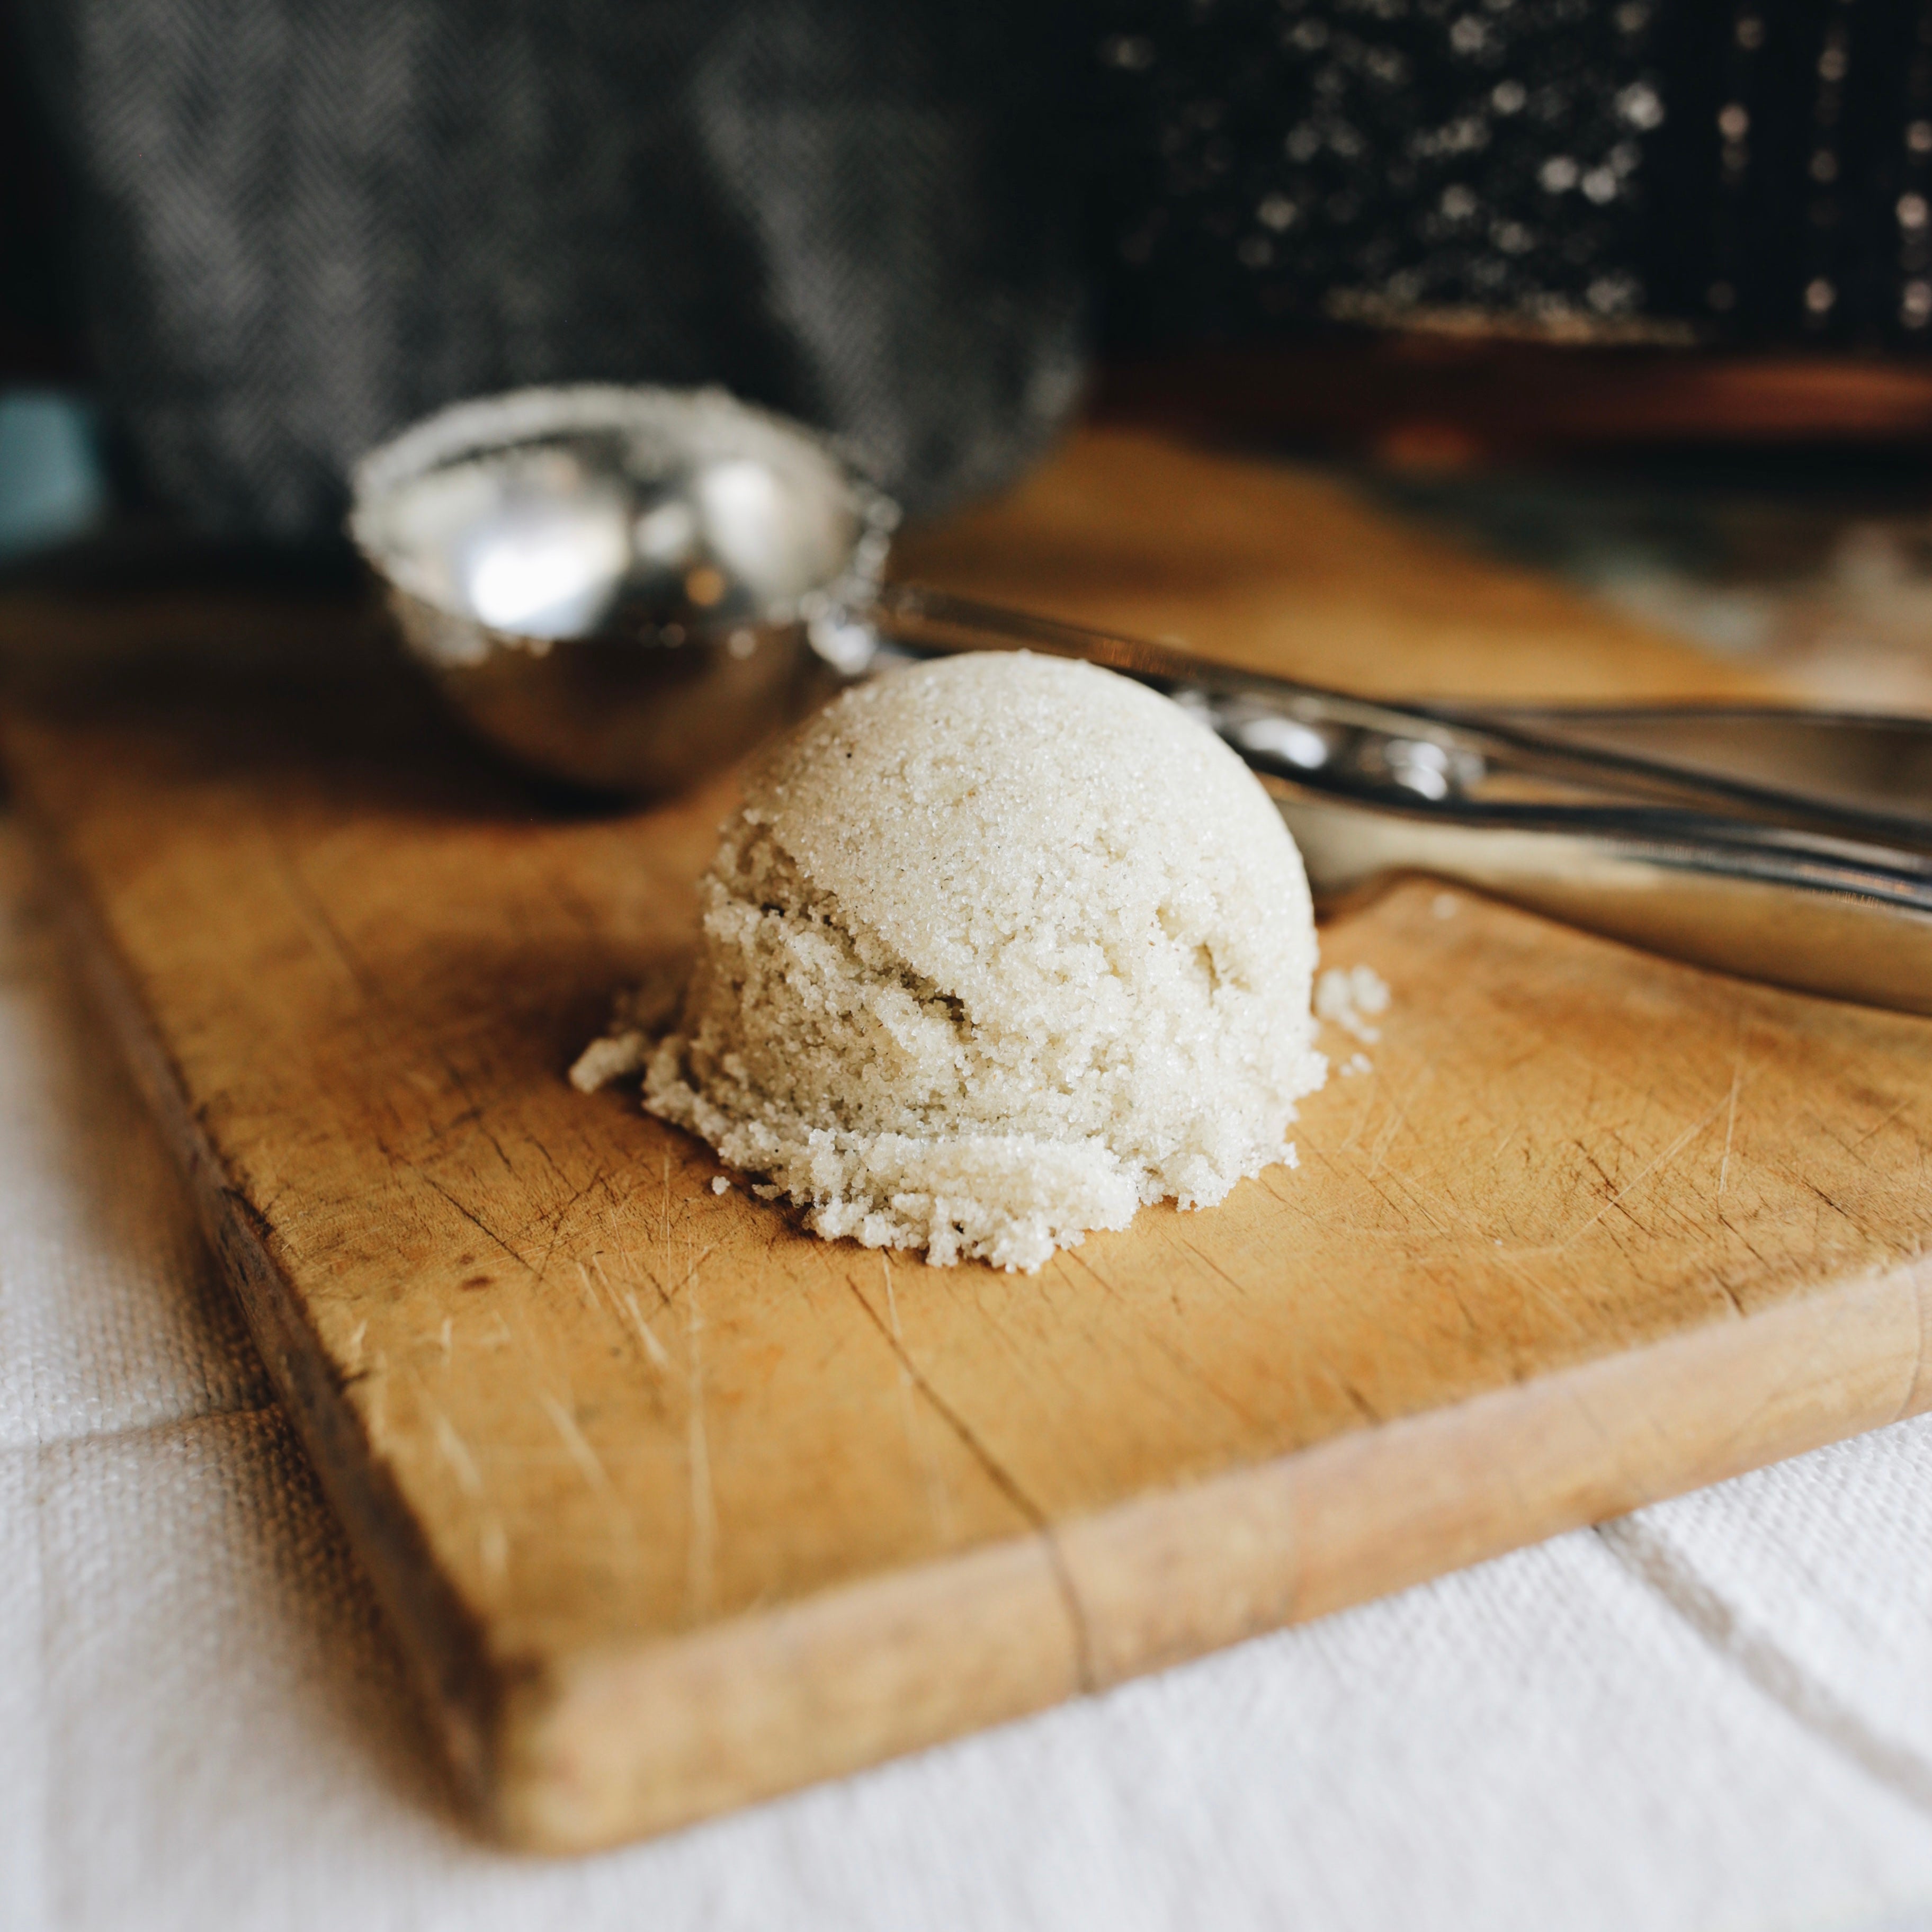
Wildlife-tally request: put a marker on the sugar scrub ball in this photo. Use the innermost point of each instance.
(998, 948)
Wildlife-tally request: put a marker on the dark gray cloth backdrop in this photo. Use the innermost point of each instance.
(298, 224)
(302, 225)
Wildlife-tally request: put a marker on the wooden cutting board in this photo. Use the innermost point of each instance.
(674, 1506)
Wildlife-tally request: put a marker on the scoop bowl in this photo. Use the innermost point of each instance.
(613, 585)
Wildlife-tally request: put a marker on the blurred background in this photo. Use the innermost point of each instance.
(1640, 290)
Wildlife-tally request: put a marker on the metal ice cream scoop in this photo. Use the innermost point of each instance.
(628, 588)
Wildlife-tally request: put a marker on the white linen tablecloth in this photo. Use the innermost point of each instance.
(1715, 1714)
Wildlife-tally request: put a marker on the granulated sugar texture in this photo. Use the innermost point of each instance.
(998, 948)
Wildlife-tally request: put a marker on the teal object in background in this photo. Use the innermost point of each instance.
(53, 485)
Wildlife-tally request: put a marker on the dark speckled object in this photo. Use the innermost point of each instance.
(1744, 171)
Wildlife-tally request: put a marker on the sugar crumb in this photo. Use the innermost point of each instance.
(609, 1059)
(1343, 994)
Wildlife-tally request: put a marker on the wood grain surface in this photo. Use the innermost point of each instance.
(674, 1506)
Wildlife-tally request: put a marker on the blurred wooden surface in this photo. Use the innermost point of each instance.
(674, 1506)
(1279, 569)
(1438, 399)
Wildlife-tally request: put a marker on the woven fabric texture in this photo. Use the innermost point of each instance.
(1715, 1714)
(300, 228)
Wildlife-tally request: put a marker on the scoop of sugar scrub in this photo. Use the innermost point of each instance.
(998, 948)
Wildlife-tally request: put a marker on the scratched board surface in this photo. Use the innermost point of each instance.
(673, 1505)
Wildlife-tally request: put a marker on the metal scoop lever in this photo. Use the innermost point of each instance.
(1876, 765)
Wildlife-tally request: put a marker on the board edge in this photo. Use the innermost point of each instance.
(458, 1685)
(626, 1743)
